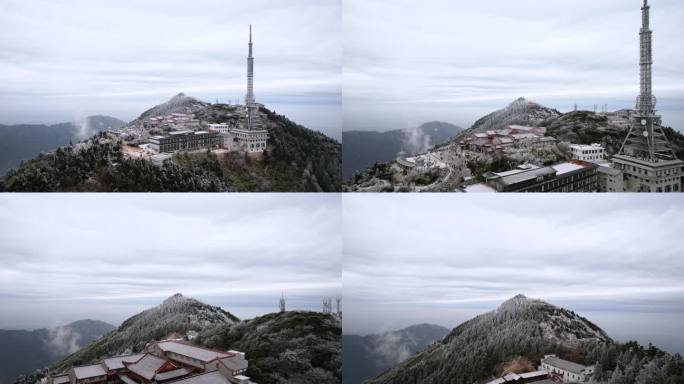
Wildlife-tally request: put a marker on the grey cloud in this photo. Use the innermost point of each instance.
(81, 52)
(411, 259)
(67, 249)
(457, 60)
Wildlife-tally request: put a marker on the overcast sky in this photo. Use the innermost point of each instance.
(616, 259)
(107, 257)
(63, 60)
(407, 62)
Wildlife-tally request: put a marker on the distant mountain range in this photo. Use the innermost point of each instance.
(367, 356)
(25, 141)
(362, 149)
(286, 347)
(514, 338)
(22, 352)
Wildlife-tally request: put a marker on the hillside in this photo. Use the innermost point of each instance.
(526, 329)
(362, 149)
(298, 160)
(23, 352)
(176, 314)
(584, 127)
(25, 141)
(177, 104)
(289, 347)
(519, 112)
(367, 356)
(292, 347)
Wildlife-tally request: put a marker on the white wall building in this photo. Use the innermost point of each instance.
(566, 371)
(593, 152)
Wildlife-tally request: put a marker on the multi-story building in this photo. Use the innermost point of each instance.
(185, 141)
(610, 179)
(566, 371)
(593, 152)
(573, 176)
(641, 175)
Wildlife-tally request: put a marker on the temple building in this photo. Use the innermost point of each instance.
(163, 362)
(646, 158)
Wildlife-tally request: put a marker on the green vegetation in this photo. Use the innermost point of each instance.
(476, 351)
(299, 160)
(287, 347)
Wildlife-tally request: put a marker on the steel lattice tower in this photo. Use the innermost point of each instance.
(646, 139)
(250, 101)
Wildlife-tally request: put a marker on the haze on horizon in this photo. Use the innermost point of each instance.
(67, 257)
(614, 259)
(408, 62)
(63, 61)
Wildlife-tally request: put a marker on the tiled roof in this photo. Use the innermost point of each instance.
(147, 366)
(564, 364)
(214, 377)
(201, 354)
(117, 362)
(88, 371)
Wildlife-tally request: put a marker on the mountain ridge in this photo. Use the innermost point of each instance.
(23, 351)
(285, 347)
(297, 160)
(520, 328)
(22, 142)
(362, 149)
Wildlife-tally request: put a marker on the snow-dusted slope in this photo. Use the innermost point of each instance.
(177, 314)
(519, 112)
(177, 104)
(518, 327)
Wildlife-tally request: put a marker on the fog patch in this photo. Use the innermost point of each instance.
(391, 348)
(416, 140)
(64, 340)
(83, 128)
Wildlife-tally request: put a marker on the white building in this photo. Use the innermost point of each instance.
(594, 152)
(566, 371)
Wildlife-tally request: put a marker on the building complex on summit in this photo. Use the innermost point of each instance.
(186, 132)
(646, 161)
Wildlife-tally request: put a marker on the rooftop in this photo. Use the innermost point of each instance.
(235, 363)
(60, 379)
(586, 147)
(147, 366)
(184, 132)
(171, 374)
(88, 371)
(565, 365)
(202, 354)
(568, 167)
(118, 361)
(479, 188)
(214, 377)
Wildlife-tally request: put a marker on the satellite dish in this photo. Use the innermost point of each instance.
(645, 133)
(643, 122)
